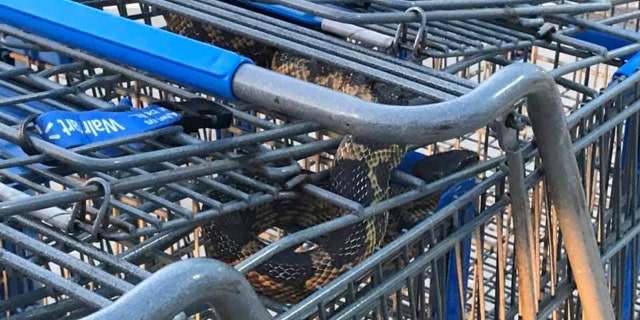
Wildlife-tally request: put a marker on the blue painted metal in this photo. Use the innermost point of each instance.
(285, 12)
(53, 58)
(9, 148)
(611, 43)
(409, 161)
(452, 296)
(162, 53)
(625, 313)
(452, 293)
(626, 70)
(629, 68)
(17, 285)
(606, 40)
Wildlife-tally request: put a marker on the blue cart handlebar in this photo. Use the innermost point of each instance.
(167, 55)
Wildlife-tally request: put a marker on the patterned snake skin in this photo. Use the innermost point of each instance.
(361, 172)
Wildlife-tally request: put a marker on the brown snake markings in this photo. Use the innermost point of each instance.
(291, 276)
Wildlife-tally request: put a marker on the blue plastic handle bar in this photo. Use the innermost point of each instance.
(285, 12)
(606, 40)
(632, 66)
(167, 55)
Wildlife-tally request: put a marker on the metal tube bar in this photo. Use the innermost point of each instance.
(522, 224)
(602, 129)
(559, 80)
(436, 15)
(64, 68)
(624, 240)
(579, 44)
(246, 23)
(27, 160)
(55, 281)
(201, 217)
(424, 124)
(93, 164)
(67, 261)
(598, 26)
(468, 35)
(594, 105)
(467, 62)
(567, 193)
(84, 248)
(496, 31)
(136, 212)
(175, 208)
(333, 198)
(620, 18)
(192, 283)
(157, 178)
(563, 292)
(181, 189)
(51, 93)
(358, 33)
(547, 115)
(349, 219)
(452, 5)
(397, 124)
(159, 241)
(338, 285)
(416, 266)
(14, 72)
(27, 106)
(587, 62)
(57, 217)
(253, 183)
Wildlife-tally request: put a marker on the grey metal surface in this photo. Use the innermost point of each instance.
(340, 299)
(422, 124)
(280, 34)
(522, 220)
(443, 39)
(472, 10)
(194, 283)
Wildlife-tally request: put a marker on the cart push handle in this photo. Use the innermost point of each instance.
(124, 41)
(191, 285)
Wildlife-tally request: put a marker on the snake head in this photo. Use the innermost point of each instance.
(440, 165)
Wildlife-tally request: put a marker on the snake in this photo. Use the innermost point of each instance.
(361, 171)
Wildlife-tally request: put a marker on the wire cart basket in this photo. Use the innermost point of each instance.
(532, 231)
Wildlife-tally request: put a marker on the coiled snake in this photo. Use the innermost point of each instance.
(361, 172)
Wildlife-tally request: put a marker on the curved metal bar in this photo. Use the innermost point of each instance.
(397, 124)
(193, 283)
(436, 122)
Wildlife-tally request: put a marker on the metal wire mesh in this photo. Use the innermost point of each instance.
(158, 187)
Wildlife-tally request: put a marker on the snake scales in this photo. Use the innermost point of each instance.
(361, 172)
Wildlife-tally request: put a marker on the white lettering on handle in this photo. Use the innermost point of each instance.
(97, 126)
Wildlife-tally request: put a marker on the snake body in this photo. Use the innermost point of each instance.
(361, 172)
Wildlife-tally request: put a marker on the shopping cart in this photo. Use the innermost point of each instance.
(361, 291)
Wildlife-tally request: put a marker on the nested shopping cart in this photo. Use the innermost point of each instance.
(85, 226)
